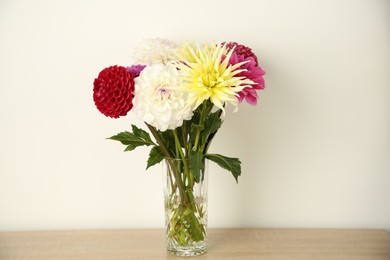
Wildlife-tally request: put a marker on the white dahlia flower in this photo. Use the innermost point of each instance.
(159, 99)
(152, 51)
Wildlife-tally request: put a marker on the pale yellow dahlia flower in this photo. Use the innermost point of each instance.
(206, 74)
(156, 50)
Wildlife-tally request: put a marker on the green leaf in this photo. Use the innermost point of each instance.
(141, 133)
(193, 125)
(125, 138)
(139, 137)
(196, 164)
(212, 124)
(168, 140)
(129, 148)
(155, 156)
(231, 164)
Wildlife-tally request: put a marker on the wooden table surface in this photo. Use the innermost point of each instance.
(275, 244)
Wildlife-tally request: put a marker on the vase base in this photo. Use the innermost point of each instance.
(198, 249)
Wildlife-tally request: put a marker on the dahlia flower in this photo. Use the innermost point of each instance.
(251, 71)
(240, 49)
(113, 91)
(156, 50)
(158, 99)
(207, 74)
(135, 70)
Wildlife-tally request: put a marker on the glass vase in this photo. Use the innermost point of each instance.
(185, 200)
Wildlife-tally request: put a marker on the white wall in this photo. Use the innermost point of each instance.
(315, 151)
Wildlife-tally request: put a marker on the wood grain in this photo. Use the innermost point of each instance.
(273, 244)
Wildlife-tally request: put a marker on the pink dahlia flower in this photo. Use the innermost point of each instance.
(240, 49)
(135, 70)
(113, 91)
(252, 72)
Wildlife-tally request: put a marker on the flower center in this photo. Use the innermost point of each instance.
(208, 77)
(163, 92)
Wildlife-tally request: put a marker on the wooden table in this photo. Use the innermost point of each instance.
(275, 244)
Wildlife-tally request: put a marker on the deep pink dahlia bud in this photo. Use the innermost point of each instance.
(135, 70)
(113, 91)
(240, 49)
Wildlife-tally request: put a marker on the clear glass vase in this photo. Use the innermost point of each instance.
(185, 200)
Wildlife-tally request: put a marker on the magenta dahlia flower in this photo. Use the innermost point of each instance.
(135, 70)
(252, 72)
(240, 49)
(113, 91)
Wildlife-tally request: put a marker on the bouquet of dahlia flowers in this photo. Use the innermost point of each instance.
(180, 92)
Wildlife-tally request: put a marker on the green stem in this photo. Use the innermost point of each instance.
(201, 124)
(163, 149)
(167, 154)
(178, 147)
(187, 172)
(183, 132)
